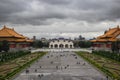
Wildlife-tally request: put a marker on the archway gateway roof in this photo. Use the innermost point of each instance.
(12, 36)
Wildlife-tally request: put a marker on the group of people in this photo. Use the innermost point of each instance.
(58, 67)
(56, 61)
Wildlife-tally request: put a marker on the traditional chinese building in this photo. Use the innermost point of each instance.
(61, 43)
(16, 40)
(104, 42)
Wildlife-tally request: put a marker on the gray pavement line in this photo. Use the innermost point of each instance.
(60, 68)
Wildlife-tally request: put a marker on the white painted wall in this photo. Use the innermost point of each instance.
(63, 42)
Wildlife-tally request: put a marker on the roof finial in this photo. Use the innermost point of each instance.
(118, 26)
(109, 28)
(12, 28)
(4, 26)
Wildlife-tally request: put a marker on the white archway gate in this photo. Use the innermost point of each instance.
(64, 43)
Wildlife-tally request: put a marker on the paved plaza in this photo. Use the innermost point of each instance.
(60, 66)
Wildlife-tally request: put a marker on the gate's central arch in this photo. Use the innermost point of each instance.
(61, 46)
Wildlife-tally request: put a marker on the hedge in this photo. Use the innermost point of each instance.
(11, 74)
(108, 54)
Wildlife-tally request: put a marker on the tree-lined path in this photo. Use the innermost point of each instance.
(60, 66)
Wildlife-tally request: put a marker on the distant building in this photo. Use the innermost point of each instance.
(16, 40)
(78, 40)
(104, 42)
(34, 37)
(61, 43)
(44, 40)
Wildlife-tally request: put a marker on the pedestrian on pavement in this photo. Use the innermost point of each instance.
(56, 67)
(27, 71)
(75, 57)
(84, 63)
(51, 62)
(40, 66)
(67, 65)
(39, 76)
(42, 75)
(35, 70)
(107, 77)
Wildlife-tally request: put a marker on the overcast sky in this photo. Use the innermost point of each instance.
(60, 18)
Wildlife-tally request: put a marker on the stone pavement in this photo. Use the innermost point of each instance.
(60, 66)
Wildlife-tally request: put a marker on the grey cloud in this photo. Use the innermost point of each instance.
(56, 2)
(21, 12)
(114, 12)
(10, 7)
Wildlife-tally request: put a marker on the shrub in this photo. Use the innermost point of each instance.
(6, 56)
(108, 54)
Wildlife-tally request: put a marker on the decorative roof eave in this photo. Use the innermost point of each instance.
(11, 37)
(29, 41)
(104, 40)
(109, 36)
(10, 32)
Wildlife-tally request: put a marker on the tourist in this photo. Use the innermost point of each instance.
(83, 63)
(39, 76)
(27, 71)
(75, 57)
(67, 65)
(42, 75)
(56, 67)
(51, 62)
(107, 77)
(40, 67)
(35, 70)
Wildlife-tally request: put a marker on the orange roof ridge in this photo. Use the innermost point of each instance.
(11, 35)
(110, 35)
(4, 32)
(7, 31)
(10, 32)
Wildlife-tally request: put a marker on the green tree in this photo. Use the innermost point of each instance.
(5, 46)
(40, 44)
(0, 46)
(115, 46)
(45, 44)
(37, 44)
(85, 44)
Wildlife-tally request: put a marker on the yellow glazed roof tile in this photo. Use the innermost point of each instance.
(110, 35)
(8, 32)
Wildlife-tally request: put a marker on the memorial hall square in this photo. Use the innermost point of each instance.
(59, 58)
(59, 39)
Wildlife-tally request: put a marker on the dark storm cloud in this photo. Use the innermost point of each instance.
(10, 7)
(40, 12)
(56, 2)
(114, 12)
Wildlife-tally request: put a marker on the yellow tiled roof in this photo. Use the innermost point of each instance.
(110, 35)
(16, 40)
(6, 33)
